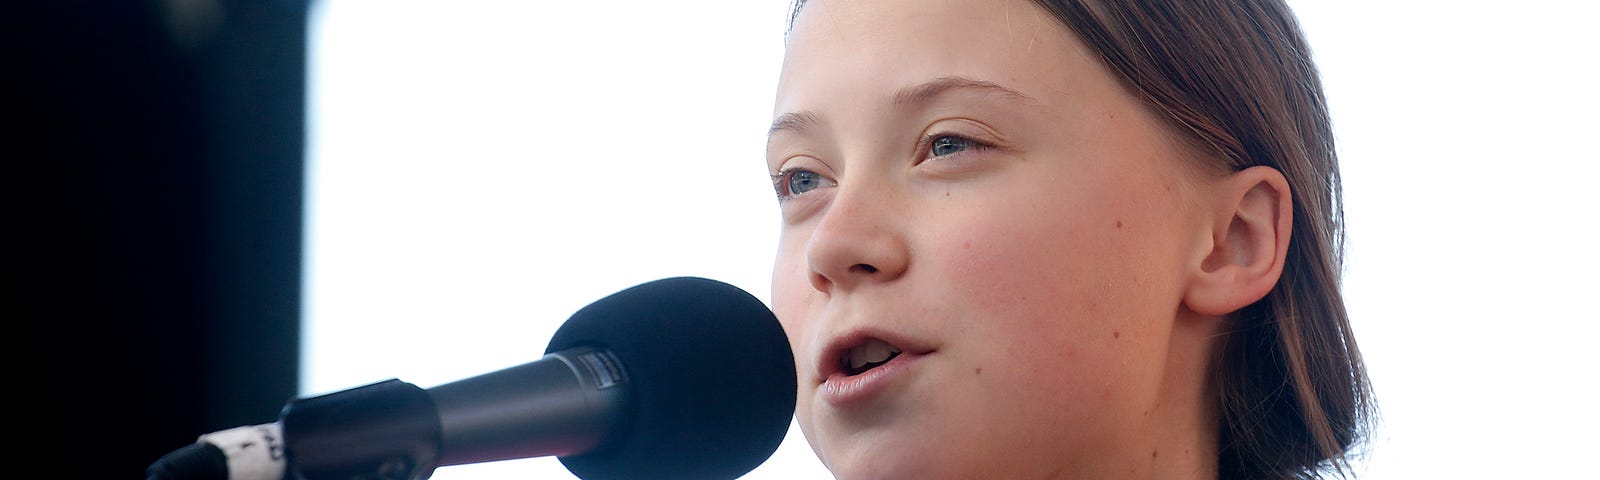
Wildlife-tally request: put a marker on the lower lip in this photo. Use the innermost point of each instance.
(844, 390)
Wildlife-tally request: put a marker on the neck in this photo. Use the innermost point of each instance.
(1183, 424)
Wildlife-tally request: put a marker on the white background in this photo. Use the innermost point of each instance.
(479, 170)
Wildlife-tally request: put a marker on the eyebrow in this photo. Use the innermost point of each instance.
(793, 121)
(939, 86)
(919, 94)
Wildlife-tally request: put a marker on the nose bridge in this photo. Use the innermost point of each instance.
(859, 238)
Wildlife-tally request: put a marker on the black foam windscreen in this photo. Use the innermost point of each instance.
(712, 373)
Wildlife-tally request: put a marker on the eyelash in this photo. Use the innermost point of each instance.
(926, 145)
(780, 182)
(783, 180)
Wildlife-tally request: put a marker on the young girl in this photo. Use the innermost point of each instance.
(1032, 239)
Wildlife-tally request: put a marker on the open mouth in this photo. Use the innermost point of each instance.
(867, 356)
(863, 365)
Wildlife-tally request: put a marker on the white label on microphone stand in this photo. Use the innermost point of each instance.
(605, 369)
(254, 452)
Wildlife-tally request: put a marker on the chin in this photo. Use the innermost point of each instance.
(887, 469)
(887, 461)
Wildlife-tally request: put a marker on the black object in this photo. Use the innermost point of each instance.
(196, 461)
(154, 151)
(681, 378)
(713, 374)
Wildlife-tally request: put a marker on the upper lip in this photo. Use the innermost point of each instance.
(829, 362)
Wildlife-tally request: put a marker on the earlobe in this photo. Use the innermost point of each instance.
(1249, 233)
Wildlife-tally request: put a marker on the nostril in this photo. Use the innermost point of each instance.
(864, 268)
(821, 283)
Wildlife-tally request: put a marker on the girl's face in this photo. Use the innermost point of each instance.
(970, 195)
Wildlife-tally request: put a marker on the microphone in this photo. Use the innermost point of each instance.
(680, 378)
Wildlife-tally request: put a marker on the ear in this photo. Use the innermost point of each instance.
(1253, 214)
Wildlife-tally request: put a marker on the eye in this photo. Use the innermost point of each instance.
(944, 145)
(791, 182)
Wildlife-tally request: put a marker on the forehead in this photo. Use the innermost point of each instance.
(841, 49)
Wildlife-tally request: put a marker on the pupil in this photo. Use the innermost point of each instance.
(802, 181)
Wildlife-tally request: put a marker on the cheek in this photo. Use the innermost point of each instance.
(793, 301)
(1089, 278)
(1037, 265)
(791, 289)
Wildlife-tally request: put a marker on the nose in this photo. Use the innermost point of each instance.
(859, 241)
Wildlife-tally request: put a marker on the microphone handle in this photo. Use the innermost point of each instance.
(570, 402)
(387, 430)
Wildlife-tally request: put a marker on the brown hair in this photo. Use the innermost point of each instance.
(1238, 78)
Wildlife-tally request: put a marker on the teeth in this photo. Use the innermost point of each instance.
(872, 352)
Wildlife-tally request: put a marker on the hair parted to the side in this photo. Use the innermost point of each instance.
(1237, 77)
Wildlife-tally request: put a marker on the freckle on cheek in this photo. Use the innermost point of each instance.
(1116, 334)
(966, 245)
(977, 371)
(1119, 224)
